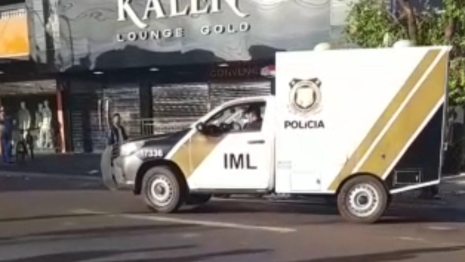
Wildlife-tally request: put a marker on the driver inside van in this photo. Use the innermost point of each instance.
(254, 119)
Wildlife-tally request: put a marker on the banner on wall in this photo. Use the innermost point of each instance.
(14, 39)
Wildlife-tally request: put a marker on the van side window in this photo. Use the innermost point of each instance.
(247, 117)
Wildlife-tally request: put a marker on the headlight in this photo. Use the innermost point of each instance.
(130, 148)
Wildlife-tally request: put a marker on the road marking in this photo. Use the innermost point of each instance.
(441, 228)
(190, 235)
(207, 223)
(87, 212)
(415, 239)
(429, 242)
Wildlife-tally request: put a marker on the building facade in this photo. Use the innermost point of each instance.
(159, 63)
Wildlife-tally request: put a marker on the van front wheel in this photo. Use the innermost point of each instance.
(362, 199)
(161, 190)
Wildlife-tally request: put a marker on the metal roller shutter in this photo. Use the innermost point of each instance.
(224, 91)
(85, 130)
(89, 117)
(126, 102)
(176, 106)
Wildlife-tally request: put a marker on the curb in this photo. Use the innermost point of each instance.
(44, 175)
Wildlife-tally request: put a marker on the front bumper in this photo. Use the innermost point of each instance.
(125, 170)
(119, 172)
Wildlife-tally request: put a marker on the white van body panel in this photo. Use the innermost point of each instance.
(357, 87)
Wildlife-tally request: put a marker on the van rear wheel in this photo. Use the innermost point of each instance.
(362, 199)
(162, 191)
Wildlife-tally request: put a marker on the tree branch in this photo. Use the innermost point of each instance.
(450, 30)
(409, 14)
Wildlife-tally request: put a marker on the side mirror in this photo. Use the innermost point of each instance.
(200, 127)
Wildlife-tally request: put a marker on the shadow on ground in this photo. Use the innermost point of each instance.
(88, 255)
(16, 183)
(397, 214)
(45, 217)
(60, 164)
(112, 232)
(319, 213)
(388, 256)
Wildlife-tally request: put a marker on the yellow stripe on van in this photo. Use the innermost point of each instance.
(380, 124)
(194, 151)
(415, 113)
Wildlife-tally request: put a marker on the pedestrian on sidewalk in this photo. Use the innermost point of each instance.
(30, 144)
(7, 136)
(117, 133)
(2, 116)
(116, 137)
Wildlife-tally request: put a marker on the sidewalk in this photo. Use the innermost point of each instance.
(58, 164)
(451, 195)
(453, 192)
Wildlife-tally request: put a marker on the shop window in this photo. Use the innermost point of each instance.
(34, 115)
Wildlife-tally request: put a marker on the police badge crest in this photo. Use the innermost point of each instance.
(305, 96)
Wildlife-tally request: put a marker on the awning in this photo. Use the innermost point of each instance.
(28, 87)
(15, 58)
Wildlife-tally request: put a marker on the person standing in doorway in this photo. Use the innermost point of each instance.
(7, 136)
(30, 144)
(2, 116)
(117, 133)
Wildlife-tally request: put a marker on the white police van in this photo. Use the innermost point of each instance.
(358, 124)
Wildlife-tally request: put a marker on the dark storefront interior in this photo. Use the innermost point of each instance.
(156, 85)
(149, 102)
(33, 106)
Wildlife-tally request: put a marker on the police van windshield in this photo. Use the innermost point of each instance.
(234, 114)
(228, 115)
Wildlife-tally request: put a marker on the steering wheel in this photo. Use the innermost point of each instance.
(212, 129)
(236, 126)
(224, 127)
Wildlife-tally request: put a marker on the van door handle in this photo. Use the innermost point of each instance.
(254, 142)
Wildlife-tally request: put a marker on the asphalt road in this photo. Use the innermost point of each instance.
(71, 220)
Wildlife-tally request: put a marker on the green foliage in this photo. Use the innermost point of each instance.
(371, 24)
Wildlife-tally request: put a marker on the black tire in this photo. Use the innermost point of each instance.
(389, 201)
(198, 199)
(358, 190)
(166, 180)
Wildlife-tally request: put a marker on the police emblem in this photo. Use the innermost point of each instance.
(305, 96)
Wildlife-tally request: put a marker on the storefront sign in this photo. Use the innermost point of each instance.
(117, 34)
(14, 40)
(235, 72)
(155, 10)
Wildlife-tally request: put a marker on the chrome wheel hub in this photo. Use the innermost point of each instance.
(363, 200)
(161, 191)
